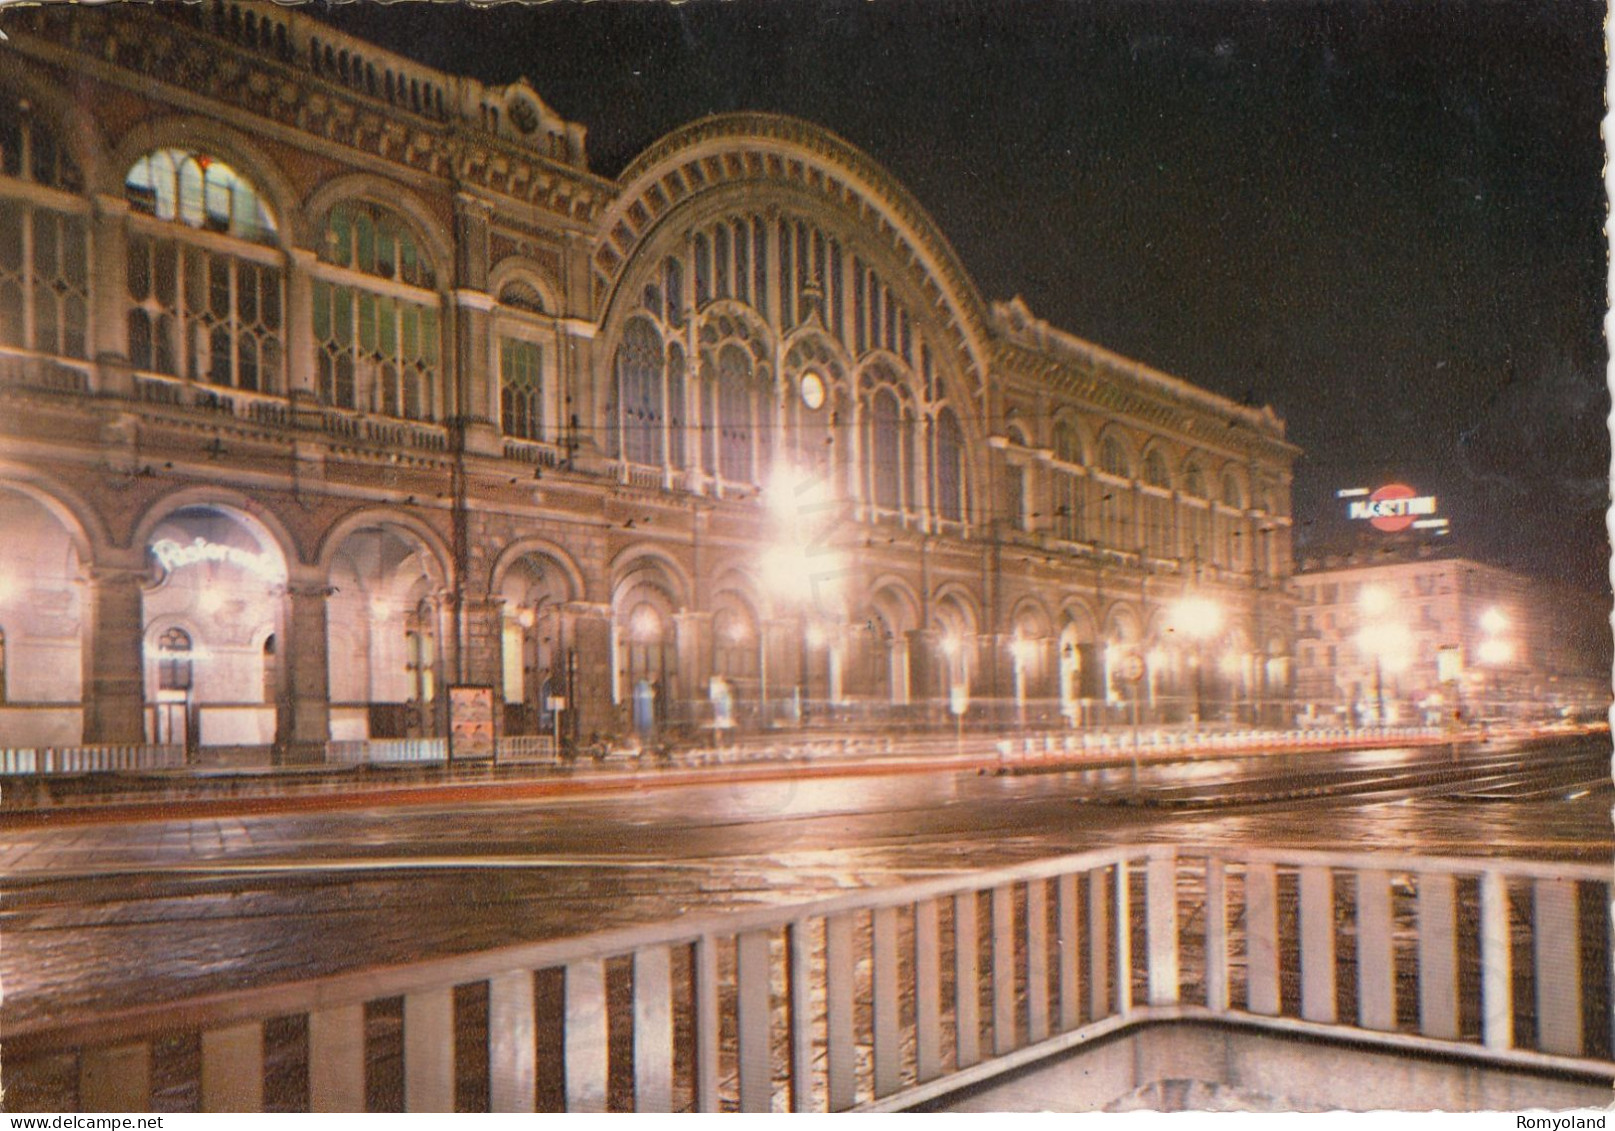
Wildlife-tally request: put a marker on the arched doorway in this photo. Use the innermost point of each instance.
(535, 651)
(645, 649)
(388, 630)
(217, 597)
(42, 625)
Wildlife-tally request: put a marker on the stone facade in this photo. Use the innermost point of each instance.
(328, 381)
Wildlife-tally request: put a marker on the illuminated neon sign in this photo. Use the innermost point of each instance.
(173, 556)
(1396, 506)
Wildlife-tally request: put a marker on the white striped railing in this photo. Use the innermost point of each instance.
(88, 759)
(524, 748)
(388, 750)
(884, 999)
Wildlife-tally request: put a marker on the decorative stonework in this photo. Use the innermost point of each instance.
(181, 56)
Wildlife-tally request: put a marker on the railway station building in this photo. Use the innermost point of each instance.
(331, 384)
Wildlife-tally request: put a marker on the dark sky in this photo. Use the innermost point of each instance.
(1384, 219)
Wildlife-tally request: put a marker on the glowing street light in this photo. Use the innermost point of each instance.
(1200, 619)
(1495, 650)
(794, 570)
(1387, 641)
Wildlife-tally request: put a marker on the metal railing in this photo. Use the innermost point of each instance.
(524, 748)
(388, 750)
(880, 1000)
(88, 759)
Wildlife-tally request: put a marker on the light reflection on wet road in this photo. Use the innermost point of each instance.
(102, 915)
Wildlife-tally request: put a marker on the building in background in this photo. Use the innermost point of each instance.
(1426, 640)
(330, 382)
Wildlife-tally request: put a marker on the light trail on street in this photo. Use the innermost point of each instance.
(98, 915)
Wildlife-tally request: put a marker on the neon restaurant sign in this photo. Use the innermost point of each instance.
(174, 556)
(1393, 507)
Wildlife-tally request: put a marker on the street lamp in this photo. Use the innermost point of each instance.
(1021, 652)
(1200, 619)
(1495, 650)
(797, 571)
(1386, 640)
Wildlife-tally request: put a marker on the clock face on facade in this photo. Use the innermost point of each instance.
(812, 390)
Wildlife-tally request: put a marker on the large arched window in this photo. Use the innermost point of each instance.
(199, 311)
(373, 240)
(639, 392)
(885, 450)
(1113, 458)
(1197, 513)
(44, 248)
(376, 351)
(200, 191)
(735, 414)
(521, 389)
(675, 405)
(1068, 487)
(1233, 526)
(950, 486)
(1157, 505)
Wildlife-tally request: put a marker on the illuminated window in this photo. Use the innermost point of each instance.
(375, 352)
(521, 389)
(372, 240)
(199, 191)
(44, 289)
(639, 393)
(884, 452)
(44, 247)
(675, 404)
(734, 414)
(174, 660)
(204, 315)
(734, 644)
(949, 500)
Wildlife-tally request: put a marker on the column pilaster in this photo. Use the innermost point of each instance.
(114, 689)
(108, 297)
(303, 721)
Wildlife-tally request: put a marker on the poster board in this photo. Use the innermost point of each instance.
(471, 729)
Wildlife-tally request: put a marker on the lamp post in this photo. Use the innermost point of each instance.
(1200, 619)
(795, 571)
(1021, 652)
(1385, 640)
(1495, 650)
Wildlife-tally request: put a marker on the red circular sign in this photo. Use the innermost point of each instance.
(1387, 493)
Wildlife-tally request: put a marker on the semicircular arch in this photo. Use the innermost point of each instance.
(63, 112)
(543, 548)
(259, 518)
(753, 148)
(397, 198)
(232, 146)
(369, 518)
(639, 560)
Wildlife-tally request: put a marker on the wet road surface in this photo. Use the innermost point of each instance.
(100, 915)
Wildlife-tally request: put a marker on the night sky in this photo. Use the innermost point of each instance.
(1384, 219)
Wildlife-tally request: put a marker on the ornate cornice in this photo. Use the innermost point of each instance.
(193, 63)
